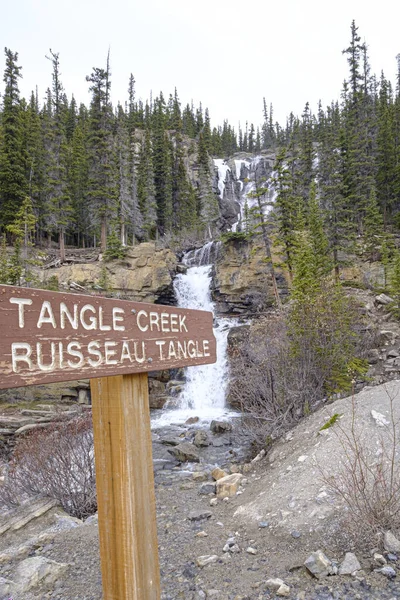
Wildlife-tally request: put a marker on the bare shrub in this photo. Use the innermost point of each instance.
(368, 480)
(57, 462)
(291, 364)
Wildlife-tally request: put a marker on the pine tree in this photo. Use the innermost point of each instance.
(102, 192)
(13, 184)
(145, 188)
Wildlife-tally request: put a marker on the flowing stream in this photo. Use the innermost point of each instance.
(204, 391)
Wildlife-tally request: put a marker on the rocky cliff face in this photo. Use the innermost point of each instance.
(242, 282)
(144, 275)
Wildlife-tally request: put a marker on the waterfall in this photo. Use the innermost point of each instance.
(204, 392)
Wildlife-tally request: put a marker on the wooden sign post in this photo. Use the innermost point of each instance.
(47, 337)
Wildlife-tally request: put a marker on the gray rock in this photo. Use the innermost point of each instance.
(207, 488)
(192, 420)
(388, 572)
(349, 565)
(199, 515)
(220, 426)
(6, 587)
(185, 452)
(170, 441)
(391, 543)
(319, 565)
(393, 353)
(207, 559)
(38, 570)
(392, 557)
(201, 439)
(295, 534)
(383, 299)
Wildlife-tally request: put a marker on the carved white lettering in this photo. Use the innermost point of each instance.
(141, 313)
(46, 315)
(93, 350)
(21, 303)
(92, 324)
(16, 348)
(74, 349)
(118, 317)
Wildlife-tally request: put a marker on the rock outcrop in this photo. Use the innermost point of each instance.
(144, 275)
(242, 282)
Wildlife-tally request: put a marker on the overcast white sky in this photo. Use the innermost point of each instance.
(228, 54)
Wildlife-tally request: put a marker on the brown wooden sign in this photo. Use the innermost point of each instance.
(49, 336)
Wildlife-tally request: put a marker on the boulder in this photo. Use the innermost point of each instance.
(38, 570)
(391, 543)
(185, 452)
(349, 565)
(220, 426)
(319, 565)
(229, 485)
(201, 439)
(383, 299)
(207, 488)
(218, 473)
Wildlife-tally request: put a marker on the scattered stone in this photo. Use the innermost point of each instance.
(379, 419)
(302, 458)
(200, 476)
(263, 524)
(295, 534)
(201, 439)
(393, 353)
(246, 468)
(259, 456)
(38, 570)
(379, 559)
(318, 564)
(201, 534)
(192, 420)
(207, 488)
(220, 426)
(229, 485)
(391, 543)
(278, 586)
(251, 550)
(213, 501)
(207, 559)
(349, 565)
(387, 571)
(199, 515)
(218, 473)
(185, 452)
(234, 469)
(383, 299)
(392, 557)
(170, 441)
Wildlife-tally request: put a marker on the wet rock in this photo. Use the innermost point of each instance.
(349, 565)
(229, 485)
(220, 426)
(319, 565)
(185, 452)
(207, 488)
(391, 543)
(201, 439)
(192, 420)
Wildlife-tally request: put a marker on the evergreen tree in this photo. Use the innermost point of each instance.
(13, 184)
(102, 192)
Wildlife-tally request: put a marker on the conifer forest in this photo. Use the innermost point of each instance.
(108, 176)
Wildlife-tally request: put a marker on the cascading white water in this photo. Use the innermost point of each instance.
(205, 387)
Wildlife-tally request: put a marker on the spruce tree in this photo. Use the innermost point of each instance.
(13, 184)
